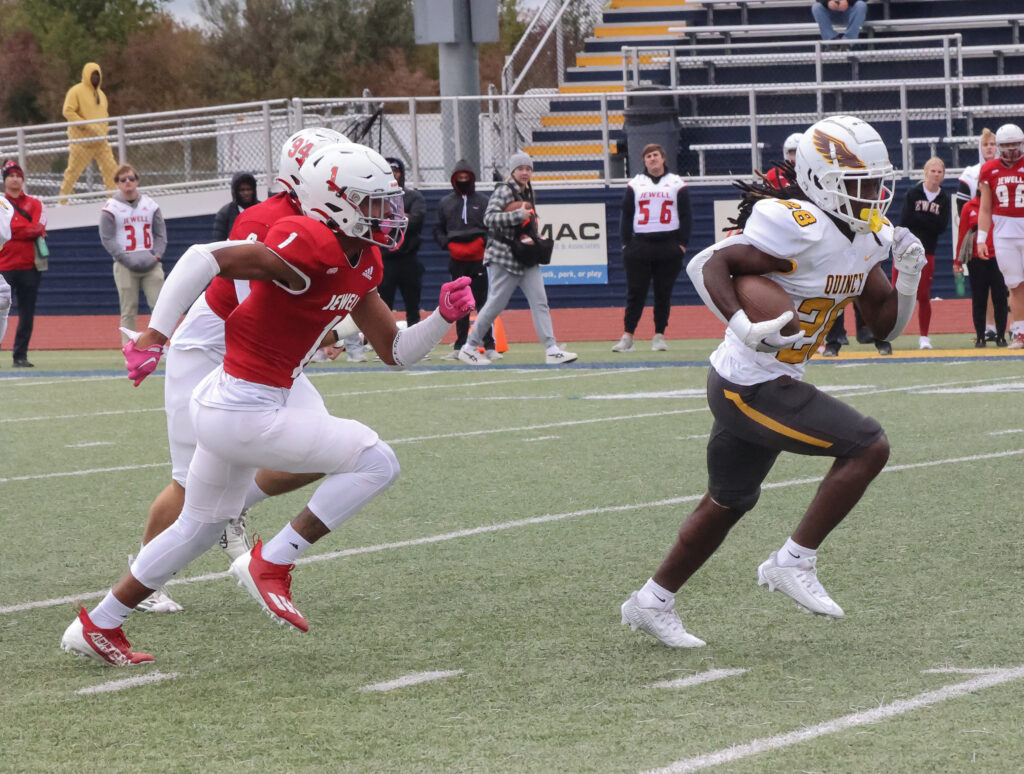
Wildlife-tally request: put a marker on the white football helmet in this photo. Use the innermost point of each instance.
(790, 146)
(1010, 141)
(843, 166)
(299, 147)
(351, 189)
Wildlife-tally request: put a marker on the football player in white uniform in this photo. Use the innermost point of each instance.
(822, 240)
(6, 215)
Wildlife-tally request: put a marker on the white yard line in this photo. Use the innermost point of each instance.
(413, 679)
(699, 679)
(487, 528)
(88, 472)
(853, 720)
(87, 444)
(128, 682)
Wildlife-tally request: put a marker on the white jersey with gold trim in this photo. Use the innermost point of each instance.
(656, 205)
(828, 272)
(134, 225)
(6, 216)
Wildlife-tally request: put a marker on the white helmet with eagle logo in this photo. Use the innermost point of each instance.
(843, 166)
(351, 189)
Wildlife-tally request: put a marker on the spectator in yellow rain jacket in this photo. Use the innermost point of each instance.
(85, 101)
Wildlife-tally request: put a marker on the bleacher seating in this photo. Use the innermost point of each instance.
(724, 50)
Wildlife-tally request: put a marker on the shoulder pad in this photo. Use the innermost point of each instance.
(784, 228)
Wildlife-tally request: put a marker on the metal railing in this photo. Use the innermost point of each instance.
(579, 139)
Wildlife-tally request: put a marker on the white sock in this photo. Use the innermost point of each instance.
(990, 328)
(653, 595)
(254, 495)
(553, 350)
(791, 553)
(286, 546)
(109, 614)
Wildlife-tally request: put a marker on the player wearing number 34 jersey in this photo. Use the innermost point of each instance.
(822, 239)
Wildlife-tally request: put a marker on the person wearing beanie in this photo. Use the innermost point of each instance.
(506, 273)
(655, 229)
(243, 196)
(18, 258)
(83, 102)
(402, 268)
(132, 230)
(461, 231)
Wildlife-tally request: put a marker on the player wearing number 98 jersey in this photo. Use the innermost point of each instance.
(822, 239)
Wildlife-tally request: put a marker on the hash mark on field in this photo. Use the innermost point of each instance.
(961, 671)
(87, 444)
(1005, 432)
(542, 438)
(765, 744)
(413, 679)
(701, 677)
(128, 682)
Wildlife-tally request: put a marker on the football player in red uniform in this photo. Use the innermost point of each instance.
(1001, 183)
(197, 347)
(311, 273)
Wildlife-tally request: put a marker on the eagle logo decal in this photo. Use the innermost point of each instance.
(835, 151)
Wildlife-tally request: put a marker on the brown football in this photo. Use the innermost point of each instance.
(516, 205)
(763, 300)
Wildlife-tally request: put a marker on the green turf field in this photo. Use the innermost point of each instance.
(532, 500)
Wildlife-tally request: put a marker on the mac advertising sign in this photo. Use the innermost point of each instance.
(581, 246)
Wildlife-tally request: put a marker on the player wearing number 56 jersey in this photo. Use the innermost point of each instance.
(133, 232)
(1001, 184)
(822, 239)
(655, 229)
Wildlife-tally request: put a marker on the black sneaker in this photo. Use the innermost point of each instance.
(831, 350)
(979, 343)
(883, 347)
(23, 363)
(1001, 341)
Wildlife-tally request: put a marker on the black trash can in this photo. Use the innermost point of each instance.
(651, 118)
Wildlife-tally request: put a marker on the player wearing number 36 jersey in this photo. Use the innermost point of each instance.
(133, 232)
(822, 239)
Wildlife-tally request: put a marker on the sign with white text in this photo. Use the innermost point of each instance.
(581, 244)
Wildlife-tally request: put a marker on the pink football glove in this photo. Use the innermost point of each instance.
(140, 362)
(456, 299)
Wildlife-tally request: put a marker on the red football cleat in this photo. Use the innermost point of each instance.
(108, 647)
(270, 584)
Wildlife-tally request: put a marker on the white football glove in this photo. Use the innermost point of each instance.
(908, 258)
(763, 336)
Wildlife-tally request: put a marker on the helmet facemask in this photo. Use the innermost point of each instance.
(373, 216)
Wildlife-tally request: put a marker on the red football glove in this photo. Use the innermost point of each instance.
(140, 362)
(456, 299)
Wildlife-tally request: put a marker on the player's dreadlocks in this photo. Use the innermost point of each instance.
(760, 188)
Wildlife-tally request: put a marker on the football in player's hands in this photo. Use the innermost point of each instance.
(763, 300)
(517, 205)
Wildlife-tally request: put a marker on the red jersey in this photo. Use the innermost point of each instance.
(223, 295)
(969, 220)
(20, 252)
(275, 331)
(1007, 186)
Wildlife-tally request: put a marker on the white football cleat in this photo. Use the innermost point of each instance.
(663, 625)
(234, 541)
(800, 583)
(625, 344)
(159, 602)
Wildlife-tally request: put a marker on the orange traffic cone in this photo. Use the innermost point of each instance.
(498, 331)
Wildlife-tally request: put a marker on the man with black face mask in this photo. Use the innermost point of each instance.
(461, 231)
(402, 269)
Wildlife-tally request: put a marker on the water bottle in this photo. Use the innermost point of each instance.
(41, 248)
(958, 283)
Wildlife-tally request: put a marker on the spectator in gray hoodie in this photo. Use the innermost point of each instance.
(132, 230)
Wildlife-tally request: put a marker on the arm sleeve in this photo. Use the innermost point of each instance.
(159, 234)
(70, 110)
(108, 236)
(220, 224)
(417, 214)
(626, 218)
(685, 216)
(495, 217)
